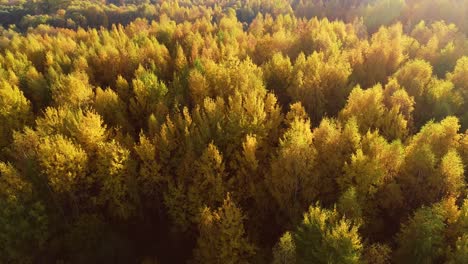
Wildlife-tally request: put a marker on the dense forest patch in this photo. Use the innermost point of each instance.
(286, 131)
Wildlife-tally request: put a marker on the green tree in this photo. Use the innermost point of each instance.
(325, 237)
(421, 239)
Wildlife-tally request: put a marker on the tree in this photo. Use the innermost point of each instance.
(426, 175)
(368, 184)
(401, 106)
(377, 60)
(335, 143)
(248, 175)
(325, 237)
(387, 111)
(15, 112)
(150, 181)
(231, 76)
(114, 178)
(148, 92)
(442, 99)
(180, 60)
(83, 127)
(439, 43)
(373, 164)
(284, 252)
(421, 239)
(63, 163)
(222, 237)
(291, 180)
(320, 83)
(208, 185)
(277, 74)
(112, 109)
(72, 90)
(461, 248)
(378, 254)
(351, 205)
(459, 76)
(459, 79)
(414, 76)
(24, 224)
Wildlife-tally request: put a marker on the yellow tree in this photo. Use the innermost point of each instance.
(381, 58)
(371, 113)
(209, 181)
(15, 112)
(335, 144)
(460, 80)
(432, 168)
(148, 92)
(72, 90)
(114, 177)
(222, 237)
(24, 223)
(325, 237)
(319, 82)
(63, 163)
(292, 181)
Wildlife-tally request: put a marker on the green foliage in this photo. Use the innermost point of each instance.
(421, 239)
(325, 237)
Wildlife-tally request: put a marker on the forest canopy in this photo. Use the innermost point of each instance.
(234, 131)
